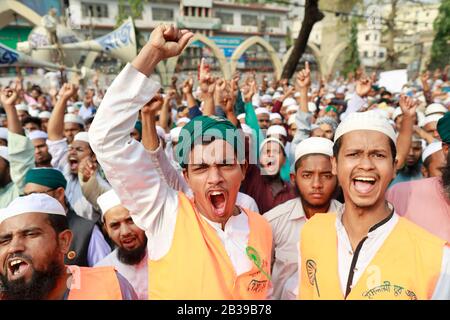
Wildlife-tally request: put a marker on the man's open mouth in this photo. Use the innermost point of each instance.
(364, 185)
(17, 267)
(73, 162)
(218, 201)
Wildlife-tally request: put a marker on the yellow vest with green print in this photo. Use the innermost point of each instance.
(407, 266)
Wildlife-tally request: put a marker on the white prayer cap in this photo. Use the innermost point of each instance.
(297, 94)
(261, 111)
(266, 98)
(430, 149)
(33, 203)
(274, 116)
(71, 109)
(241, 116)
(108, 200)
(161, 133)
(272, 140)
(435, 108)
(341, 89)
(398, 111)
(431, 118)
(280, 89)
(270, 90)
(292, 108)
(175, 134)
(312, 107)
(246, 129)
(276, 95)
(289, 102)
(291, 120)
(276, 129)
(82, 136)
(314, 145)
(329, 96)
(37, 134)
(34, 112)
(21, 107)
(72, 118)
(368, 120)
(4, 133)
(44, 115)
(4, 153)
(183, 120)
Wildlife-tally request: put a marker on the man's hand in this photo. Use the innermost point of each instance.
(8, 97)
(363, 86)
(168, 41)
(187, 86)
(67, 91)
(408, 105)
(87, 168)
(304, 77)
(250, 90)
(153, 106)
(207, 82)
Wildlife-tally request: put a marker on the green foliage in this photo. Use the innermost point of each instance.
(132, 8)
(440, 50)
(352, 61)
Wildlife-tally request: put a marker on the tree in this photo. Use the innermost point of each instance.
(312, 15)
(440, 50)
(352, 62)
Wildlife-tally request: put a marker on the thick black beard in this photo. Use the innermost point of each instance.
(446, 177)
(411, 170)
(38, 288)
(134, 256)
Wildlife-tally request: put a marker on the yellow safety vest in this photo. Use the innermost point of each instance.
(407, 265)
(198, 267)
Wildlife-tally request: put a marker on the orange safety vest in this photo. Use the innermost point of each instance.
(99, 283)
(198, 267)
(407, 265)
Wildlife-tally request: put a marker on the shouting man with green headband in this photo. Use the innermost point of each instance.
(204, 247)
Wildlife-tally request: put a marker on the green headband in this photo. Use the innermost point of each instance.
(48, 177)
(205, 129)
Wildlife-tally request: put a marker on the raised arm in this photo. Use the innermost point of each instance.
(408, 106)
(130, 168)
(55, 127)
(9, 98)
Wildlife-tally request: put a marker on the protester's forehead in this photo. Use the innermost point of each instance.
(365, 139)
(24, 221)
(79, 143)
(38, 142)
(314, 162)
(34, 187)
(116, 214)
(216, 151)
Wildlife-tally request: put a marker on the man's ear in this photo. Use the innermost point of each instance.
(334, 166)
(292, 176)
(445, 147)
(64, 240)
(186, 175)
(424, 171)
(60, 194)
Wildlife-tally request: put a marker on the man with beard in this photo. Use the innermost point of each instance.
(67, 157)
(433, 160)
(88, 244)
(17, 158)
(34, 238)
(315, 187)
(203, 247)
(42, 157)
(366, 251)
(426, 202)
(412, 169)
(130, 255)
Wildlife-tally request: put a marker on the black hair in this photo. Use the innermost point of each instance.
(181, 109)
(37, 88)
(89, 120)
(58, 222)
(34, 120)
(338, 143)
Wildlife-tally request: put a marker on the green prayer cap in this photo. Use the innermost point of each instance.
(48, 177)
(138, 127)
(205, 129)
(443, 127)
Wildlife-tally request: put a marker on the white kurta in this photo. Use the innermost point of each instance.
(136, 274)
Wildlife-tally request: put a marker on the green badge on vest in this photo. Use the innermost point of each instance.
(256, 259)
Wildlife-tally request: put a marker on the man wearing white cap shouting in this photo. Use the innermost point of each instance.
(34, 238)
(130, 255)
(315, 187)
(17, 158)
(366, 251)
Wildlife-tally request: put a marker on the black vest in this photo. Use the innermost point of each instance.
(82, 231)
